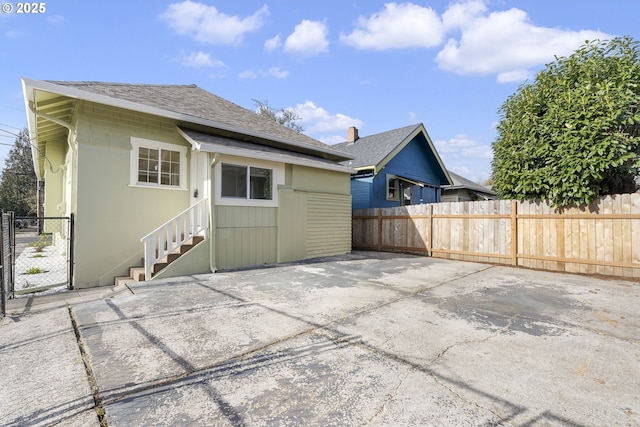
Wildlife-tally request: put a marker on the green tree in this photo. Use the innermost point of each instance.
(574, 133)
(285, 116)
(18, 181)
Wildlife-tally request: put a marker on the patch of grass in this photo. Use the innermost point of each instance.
(38, 256)
(41, 244)
(34, 270)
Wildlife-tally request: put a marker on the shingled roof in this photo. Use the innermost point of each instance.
(373, 149)
(462, 182)
(201, 105)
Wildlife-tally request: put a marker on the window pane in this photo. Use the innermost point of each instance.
(260, 183)
(147, 165)
(170, 168)
(234, 181)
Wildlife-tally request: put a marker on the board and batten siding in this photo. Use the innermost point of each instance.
(245, 236)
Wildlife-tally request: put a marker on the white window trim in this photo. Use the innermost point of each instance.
(396, 198)
(136, 143)
(277, 179)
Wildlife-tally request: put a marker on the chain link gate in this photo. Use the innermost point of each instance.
(6, 259)
(43, 253)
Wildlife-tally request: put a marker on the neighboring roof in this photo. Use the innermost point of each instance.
(191, 105)
(217, 144)
(375, 151)
(370, 151)
(460, 182)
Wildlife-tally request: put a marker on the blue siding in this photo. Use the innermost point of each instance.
(361, 192)
(415, 162)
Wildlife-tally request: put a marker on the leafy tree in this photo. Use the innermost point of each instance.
(574, 133)
(18, 180)
(284, 116)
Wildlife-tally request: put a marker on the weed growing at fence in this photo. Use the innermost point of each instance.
(34, 270)
(41, 244)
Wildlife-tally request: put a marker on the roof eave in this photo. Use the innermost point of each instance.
(29, 98)
(141, 108)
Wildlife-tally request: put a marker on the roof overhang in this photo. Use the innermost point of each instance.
(216, 144)
(30, 86)
(404, 143)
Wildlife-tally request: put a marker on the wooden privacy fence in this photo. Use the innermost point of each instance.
(601, 238)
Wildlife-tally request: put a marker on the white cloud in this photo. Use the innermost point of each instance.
(472, 39)
(514, 76)
(317, 120)
(206, 24)
(271, 72)
(12, 33)
(333, 139)
(397, 26)
(461, 15)
(272, 44)
(461, 146)
(200, 60)
(56, 19)
(309, 38)
(506, 43)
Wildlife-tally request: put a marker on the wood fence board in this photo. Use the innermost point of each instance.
(616, 230)
(603, 237)
(625, 232)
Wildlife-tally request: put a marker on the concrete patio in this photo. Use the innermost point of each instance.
(364, 339)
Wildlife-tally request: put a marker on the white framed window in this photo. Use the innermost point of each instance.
(247, 182)
(157, 164)
(393, 187)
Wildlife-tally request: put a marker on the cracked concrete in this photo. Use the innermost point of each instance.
(366, 339)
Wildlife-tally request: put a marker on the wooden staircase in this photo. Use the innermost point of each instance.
(137, 274)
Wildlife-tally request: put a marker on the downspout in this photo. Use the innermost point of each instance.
(70, 138)
(74, 159)
(212, 191)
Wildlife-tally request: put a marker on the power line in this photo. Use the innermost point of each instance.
(10, 133)
(9, 126)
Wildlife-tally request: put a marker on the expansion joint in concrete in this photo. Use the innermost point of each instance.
(86, 359)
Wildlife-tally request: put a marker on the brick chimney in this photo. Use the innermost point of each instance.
(352, 134)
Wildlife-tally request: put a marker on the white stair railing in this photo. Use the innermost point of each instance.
(174, 233)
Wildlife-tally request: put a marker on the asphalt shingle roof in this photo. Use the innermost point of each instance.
(462, 182)
(194, 101)
(371, 150)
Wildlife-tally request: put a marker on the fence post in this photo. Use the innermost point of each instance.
(430, 233)
(379, 229)
(71, 248)
(514, 233)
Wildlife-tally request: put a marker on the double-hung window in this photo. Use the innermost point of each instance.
(157, 164)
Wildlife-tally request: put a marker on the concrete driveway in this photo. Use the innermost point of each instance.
(365, 339)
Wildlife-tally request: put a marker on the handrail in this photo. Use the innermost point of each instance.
(174, 233)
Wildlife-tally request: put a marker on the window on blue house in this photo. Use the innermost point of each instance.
(393, 188)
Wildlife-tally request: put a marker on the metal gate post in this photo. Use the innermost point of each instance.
(71, 249)
(3, 299)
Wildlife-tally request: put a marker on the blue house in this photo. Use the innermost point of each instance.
(394, 168)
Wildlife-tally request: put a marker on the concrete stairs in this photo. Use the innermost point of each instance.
(136, 274)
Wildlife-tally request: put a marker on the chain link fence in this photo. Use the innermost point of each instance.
(6, 259)
(42, 253)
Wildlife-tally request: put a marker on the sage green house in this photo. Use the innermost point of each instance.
(149, 169)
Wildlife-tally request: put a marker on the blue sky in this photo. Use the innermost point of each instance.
(371, 64)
